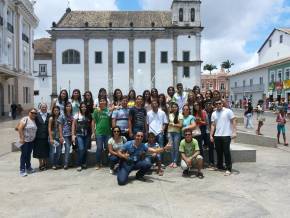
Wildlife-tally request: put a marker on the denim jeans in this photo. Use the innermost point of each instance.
(25, 158)
(54, 154)
(102, 143)
(174, 138)
(82, 150)
(125, 169)
(68, 143)
(210, 150)
(160, 139)
(222, 145)
(113, 161)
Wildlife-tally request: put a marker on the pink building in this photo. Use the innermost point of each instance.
(217, 81)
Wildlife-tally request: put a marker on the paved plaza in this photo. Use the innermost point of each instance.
(260, 189)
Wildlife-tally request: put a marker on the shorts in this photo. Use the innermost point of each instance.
(184, 166)
(281, 128)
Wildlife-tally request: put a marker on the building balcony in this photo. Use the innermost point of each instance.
(252, 88)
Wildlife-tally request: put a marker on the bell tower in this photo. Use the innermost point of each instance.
(186, 13)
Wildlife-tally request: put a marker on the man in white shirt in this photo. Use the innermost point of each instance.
(223, 129)
(156, 122)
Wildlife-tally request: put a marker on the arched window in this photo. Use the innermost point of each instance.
(181, 15)
(192, 15)
(70, 57)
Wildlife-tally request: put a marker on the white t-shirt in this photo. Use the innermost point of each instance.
(29, 130)
(222, 120)
(156, 121)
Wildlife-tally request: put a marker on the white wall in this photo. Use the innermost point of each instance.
(70, 72)
(142, 72)
(277, 50)
(184, 43)
(164, 72)
(188, 43)
(98, 72)
(255, 75)
(121, 71)
(42, 84)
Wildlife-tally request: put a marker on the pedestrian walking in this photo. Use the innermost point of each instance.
(281, 121)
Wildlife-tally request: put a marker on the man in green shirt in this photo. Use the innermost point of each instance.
(190, 154)
(101, 129)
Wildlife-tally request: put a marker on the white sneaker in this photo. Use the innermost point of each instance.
(111, 171)
(227, 173)
(23, 173)
(79, 169)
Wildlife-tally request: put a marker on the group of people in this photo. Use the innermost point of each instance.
(281, 119)
(132, 130)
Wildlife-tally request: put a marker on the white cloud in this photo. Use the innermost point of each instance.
(52, 10)
(229, 25)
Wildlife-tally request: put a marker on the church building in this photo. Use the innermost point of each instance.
(127, 49)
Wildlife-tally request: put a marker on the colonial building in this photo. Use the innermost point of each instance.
(270, 79)
(17, 24)
(127, 49)
(42, 71)
(217, 81)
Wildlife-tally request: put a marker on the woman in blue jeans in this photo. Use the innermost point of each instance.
(54, 138)
(114, 145)
(101, 129)
(174, 132)
(65, 120)
(80, 135)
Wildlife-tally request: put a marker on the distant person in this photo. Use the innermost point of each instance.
(13, 108)
(249, 116)
(120, 117)
(27, 131)
(281, 121)
(223, 129)
(260, 117)
(190, 155)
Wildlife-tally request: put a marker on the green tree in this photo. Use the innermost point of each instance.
(227, 65)
(209, 67)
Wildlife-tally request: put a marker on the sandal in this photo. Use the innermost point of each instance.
(160, 172)
(174, 165)
(285, 144)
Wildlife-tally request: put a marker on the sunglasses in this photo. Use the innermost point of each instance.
(116, 131)
(218, 103)
(33, 112)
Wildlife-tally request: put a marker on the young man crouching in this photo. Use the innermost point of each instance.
(190, 154)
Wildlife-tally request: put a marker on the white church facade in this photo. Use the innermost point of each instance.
(127, 50)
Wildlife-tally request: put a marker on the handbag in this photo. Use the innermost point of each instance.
(196, 131)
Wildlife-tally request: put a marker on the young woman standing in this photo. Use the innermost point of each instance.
(54, 138)
(80, 135)
(75, 101)
(174, 128)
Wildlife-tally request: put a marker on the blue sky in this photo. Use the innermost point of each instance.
(128, 5)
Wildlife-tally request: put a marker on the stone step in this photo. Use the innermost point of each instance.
(253, 139)
(240, 153)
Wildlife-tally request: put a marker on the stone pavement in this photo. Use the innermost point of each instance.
(260, 189)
